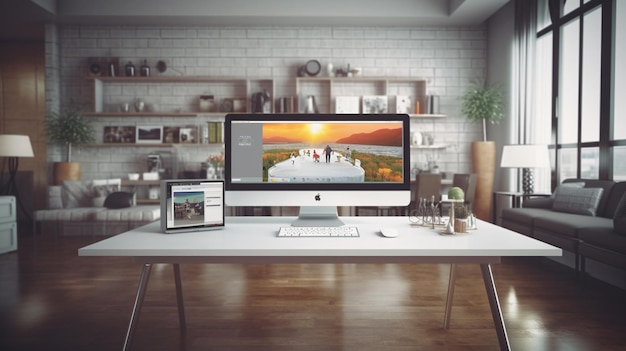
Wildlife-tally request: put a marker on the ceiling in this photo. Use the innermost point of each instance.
(23, 19)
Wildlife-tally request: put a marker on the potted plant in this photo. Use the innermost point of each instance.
(460, 218)
(69, 128)
(483, 103)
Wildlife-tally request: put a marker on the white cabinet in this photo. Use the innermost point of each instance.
(8, 224)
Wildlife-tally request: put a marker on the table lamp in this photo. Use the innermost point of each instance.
(12, 147)
(526, 157)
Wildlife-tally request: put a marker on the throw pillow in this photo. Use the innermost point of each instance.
(101, 188)
(572, 184)
(619, 219)
(75, 193)
(576, 200)
(119, 199)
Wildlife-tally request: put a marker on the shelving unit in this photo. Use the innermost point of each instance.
(220, 87)
(327, 89)
(174, 101)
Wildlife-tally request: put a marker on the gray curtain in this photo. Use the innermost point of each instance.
(525, 35)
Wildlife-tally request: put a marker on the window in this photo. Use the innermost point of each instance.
(586, 107)
(619, 78)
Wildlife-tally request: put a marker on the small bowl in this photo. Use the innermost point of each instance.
(133, 176)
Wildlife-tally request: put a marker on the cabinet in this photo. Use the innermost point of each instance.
(8, 224)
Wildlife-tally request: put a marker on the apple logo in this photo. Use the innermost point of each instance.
(318, 197)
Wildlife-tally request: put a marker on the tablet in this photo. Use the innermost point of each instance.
(192, 205)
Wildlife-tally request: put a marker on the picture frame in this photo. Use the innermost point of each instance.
(404, 104)
(347, 104)
(171, 135)
(149, 135)
(188, 135)
(119, 135)
(373, 104)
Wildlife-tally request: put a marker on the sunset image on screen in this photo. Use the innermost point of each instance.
(332, 152)
(316, 133)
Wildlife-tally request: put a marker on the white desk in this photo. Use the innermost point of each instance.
(253, 240)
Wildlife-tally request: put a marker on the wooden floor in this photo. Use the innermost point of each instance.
(51, 299)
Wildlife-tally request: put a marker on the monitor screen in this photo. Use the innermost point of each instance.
(317, 160)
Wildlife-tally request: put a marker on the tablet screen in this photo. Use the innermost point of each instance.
(192, 205)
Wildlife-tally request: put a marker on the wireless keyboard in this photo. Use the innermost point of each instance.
(334, 232)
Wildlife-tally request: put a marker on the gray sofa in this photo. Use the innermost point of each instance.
(579, 218)
(94, 207)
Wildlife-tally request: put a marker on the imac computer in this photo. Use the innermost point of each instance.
(317, 162)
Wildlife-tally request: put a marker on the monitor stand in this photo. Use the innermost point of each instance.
(318, 216)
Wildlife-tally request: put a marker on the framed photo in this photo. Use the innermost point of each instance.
(375, 104)
(171, 135)
(122, 134)
(404, 105)
(149, 134)
(188, 135)
(347, 104)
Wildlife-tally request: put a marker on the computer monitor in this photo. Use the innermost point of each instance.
(317, 162)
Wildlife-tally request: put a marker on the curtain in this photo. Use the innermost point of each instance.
(523, 85)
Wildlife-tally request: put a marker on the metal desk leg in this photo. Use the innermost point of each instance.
(496, 313)
(134, 317)
(451, 284)
(179, 299)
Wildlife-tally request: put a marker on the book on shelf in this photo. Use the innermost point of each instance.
(214, 133)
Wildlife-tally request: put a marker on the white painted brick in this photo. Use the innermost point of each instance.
(446, 57)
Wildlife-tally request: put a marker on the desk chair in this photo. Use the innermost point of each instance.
(467, 182)
(427, 185)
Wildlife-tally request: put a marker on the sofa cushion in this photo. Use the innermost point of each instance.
(617, 191)
(582, 201)
(603, 237)
(76, 214)
(567, 224)
(119, 199)
(523, 215)
(619, 219)
(142, 213)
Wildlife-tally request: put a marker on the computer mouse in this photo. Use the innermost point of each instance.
(389, 232)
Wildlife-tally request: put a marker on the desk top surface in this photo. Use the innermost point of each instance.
(256, 237)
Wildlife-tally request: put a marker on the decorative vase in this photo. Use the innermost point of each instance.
(460, 225)
(139, 105)
(484, 165)
(66, 171)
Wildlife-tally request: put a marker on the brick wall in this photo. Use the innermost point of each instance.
(449, 58)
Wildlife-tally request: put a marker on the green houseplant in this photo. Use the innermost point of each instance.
(483, 103)
(68, 128)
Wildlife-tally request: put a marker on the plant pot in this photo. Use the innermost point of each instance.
(66, 171)
(484, 166)
(460, 225)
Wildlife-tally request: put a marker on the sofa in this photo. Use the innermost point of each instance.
(92, 207)
(584, 216)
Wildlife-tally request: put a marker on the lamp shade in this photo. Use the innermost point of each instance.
(525, 156)
(12, 145)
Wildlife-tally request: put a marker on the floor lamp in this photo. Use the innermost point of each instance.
(12, 147)
(526, 157)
